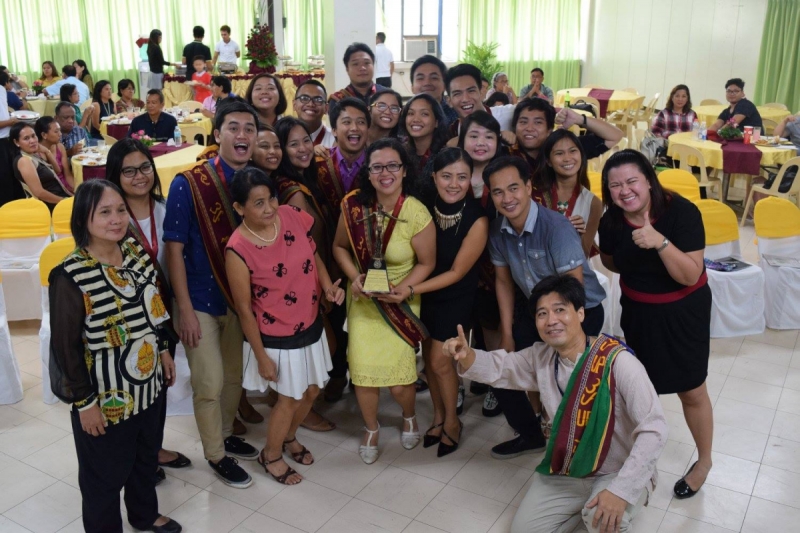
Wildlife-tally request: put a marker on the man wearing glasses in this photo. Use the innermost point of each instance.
(310, 104)
(742, 111)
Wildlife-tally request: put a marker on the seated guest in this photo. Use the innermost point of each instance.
(49, 133)
(220, 89)
(500, 85)
(17, 84)
(536, 88)
(83, 74)
(677, 116)
(359, 60)
(265, 94)
(427, 76)
(310, 105)
(497, 99)
(600, 465)
(68, 76)
(49, 74)
(102, 106)
(69, 93)
(33, 166)
(14, 101)
(741, 110)
(789, 127)
(158, 125)
(126, 90)
(385, 107)
(484, 88)
(73, 137)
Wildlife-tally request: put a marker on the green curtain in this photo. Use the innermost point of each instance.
(302, 36)
(104, 33)
(778, 75)
(541, 33)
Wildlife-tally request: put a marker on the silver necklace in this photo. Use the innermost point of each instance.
(259, 237)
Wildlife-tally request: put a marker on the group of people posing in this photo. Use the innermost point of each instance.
(481, 225)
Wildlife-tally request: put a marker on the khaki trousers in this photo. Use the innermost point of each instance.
(216, 366)
(557, 504)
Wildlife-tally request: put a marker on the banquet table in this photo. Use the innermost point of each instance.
(709, 113)
(119, 131)
(45, 107)
(167, 165)
(619, 99)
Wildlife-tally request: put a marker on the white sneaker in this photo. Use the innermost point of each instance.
(369, 454)
(410, 439)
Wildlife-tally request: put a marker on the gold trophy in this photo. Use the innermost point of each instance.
(377, 280)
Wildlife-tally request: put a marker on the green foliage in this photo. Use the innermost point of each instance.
(484, 57)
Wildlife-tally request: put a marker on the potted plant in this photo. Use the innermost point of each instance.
(730, 132)
(261, 50)
(484, 57)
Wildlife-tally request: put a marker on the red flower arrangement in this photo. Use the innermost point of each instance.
(261, 50)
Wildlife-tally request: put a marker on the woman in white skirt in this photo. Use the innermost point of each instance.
(277, 279)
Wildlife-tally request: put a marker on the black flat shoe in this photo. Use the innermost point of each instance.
(430, 440)
(160, 475)
(170, 527)
(180, 462)
(447, 449)
(682, 490)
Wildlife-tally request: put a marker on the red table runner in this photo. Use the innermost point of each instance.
(602, 96)
(118, 131)
(93, 173)
(740, 158)
(163, 148)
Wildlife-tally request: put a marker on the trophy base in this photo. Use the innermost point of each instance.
(377, 281)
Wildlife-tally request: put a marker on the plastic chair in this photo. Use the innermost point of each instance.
(626, 119)
(591, 101)
(85, 105)
(646, 115)
(682, 182)
(684, 152)
(10, 378)
(776, 105)
(109, 140)
(769, 125)
(24, 233)
(778, 229)
(62, 214)
(191, 132)
(190, 105)
(710, 101)
(210, 151)
(738, 304)
(51, 256)
(793, 192)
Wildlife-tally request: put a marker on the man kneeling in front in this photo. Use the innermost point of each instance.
(607, 426)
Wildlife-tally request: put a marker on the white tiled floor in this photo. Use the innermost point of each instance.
(754, 486)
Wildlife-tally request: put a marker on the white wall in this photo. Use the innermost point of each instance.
(344, 22)
(653, 45)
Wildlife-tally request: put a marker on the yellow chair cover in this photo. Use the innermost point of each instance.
(596, 182)
(62, 215)
(682, 182)
(52, 256)
(777, 218)
(719, 221)
(22, 219)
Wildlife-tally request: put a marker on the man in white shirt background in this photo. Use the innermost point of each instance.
(227, 50)
(384, 61)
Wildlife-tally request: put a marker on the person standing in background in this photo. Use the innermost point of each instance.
(194, 49)
(227, 50)
(10, 188)
(155, 57)
(384, 61)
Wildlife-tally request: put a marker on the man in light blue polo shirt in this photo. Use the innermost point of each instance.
(526, 244)
(68, 76)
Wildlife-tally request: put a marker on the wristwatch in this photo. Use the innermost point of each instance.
(584, 120)
(663, 245)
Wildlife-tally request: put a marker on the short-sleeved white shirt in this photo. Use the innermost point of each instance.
(383, 56)
(227, 51)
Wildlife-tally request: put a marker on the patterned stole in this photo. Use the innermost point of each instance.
(215, 216)
(584, 424)
(400, 317)
(331, 184)
(350, 91)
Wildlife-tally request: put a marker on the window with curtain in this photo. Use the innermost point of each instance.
(302, 36)
(778, 75)
(104, 33)
(414, 18)
(544, 34)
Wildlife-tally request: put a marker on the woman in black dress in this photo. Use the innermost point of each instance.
(448, 295)
(655, 239)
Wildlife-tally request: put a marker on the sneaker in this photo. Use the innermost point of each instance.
(491, 407)
(460, 401)
(516, 447)
(237, 447)
(478, 388)
(231, 473)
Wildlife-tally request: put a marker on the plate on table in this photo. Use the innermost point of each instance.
(190, 120)
(120, 122)
(93, 162)
(26, 115)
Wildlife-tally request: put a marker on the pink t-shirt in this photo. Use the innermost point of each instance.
(201, 93)
(283, 276)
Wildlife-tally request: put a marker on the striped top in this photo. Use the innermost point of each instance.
(106, 335)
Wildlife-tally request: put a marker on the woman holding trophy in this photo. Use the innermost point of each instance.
(385, 244)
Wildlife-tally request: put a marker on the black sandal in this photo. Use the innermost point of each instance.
(430, 440)
(180, 462)
(446, 449)
(300, 456)
(283, 477)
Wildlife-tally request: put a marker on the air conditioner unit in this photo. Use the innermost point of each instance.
(416, 47)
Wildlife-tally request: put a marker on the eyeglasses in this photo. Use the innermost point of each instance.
(733, 91)
(304, 99)
(383, 107)
(391, 167)
(130, 172)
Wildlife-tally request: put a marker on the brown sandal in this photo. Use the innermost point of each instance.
(283, 477)
(299, 456)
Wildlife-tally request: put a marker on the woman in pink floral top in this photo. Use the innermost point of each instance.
(677, 116)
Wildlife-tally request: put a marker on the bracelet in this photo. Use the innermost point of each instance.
(411, 296)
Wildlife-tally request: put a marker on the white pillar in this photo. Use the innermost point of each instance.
(344, 22)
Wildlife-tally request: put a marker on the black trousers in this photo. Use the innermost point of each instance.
(126, 456)
(516, 407)
(386, 82)
(336, 317)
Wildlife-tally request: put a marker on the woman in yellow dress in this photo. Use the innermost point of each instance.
(385, 330)
(49, 74)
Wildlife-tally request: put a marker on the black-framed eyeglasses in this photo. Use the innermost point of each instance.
(304, 99)
(130, 172)
(391, 167)
(383, 107)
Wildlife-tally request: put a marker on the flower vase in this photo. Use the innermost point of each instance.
(257, 67)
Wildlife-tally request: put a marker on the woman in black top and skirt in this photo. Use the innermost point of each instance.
(155, 57)
(655, 239)
(448, 295)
